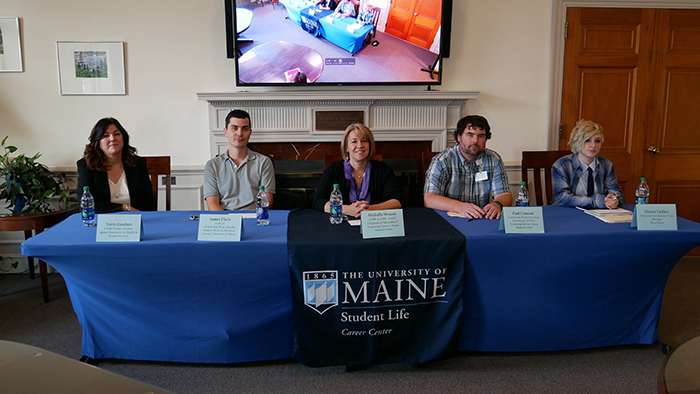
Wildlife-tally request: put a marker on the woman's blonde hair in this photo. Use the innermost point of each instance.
(362, 132)
(584, 130)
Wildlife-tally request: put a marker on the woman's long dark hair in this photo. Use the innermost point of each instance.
(93, 153)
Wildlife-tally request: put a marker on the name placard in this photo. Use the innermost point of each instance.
(655, 217)
(522, 220)
(382, 224)
(223, 228)
(118, 228)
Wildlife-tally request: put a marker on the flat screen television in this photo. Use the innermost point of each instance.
(288, 42)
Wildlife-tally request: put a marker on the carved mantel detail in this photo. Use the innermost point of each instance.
(290, 116)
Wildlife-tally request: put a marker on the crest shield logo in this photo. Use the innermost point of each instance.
(321, 290)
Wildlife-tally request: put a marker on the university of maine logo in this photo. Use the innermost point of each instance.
(321, 290)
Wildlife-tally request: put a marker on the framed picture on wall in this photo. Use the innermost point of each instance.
(91, 68)
(10, 45)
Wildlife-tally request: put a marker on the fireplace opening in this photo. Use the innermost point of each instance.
(299, 167)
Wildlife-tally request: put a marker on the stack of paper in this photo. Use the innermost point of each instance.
(353, 27)
(617, 215)
(454, 214)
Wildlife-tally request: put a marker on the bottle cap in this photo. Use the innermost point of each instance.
(336, 185)
(86, 188)
(644, 179)
(522, 183)
(261, 187)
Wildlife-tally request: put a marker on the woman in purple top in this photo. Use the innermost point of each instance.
(366, 184)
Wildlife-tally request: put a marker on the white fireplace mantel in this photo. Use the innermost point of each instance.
(290, 116)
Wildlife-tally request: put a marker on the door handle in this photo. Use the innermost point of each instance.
(653, 149)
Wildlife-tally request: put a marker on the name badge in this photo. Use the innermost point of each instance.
(222, 228)
(382, 224)
(119, 228)
(521, 220)
(482, 176)
(655, 217)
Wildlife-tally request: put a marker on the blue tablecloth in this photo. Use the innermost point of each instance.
(171, 298)
(335, 32)
(338, 34)
(582, 284)
(293, 11)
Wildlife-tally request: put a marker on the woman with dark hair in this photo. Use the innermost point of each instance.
(366, 184)
(118, 179)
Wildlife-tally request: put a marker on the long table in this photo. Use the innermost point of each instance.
(171, 298)
(581, 284)
(335, 32)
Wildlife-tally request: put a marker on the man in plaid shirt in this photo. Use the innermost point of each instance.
(465, 177)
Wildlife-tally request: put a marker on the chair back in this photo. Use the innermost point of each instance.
(540, 162)
(375, 20)
(159, 165)
(328, 159)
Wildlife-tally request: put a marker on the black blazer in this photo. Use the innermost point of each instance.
(137, 179)
(383, 185)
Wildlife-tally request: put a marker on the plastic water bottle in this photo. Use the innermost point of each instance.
(336, 205)
(262, 205)
(642, 192)
(87, 208)
(523, 199)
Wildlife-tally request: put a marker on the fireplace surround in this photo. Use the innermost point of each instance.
(404, 123)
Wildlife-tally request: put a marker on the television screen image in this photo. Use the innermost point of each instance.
(337, 42)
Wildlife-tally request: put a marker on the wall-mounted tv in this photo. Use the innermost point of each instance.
(386, 42)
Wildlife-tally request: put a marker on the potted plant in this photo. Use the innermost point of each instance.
(28, 186)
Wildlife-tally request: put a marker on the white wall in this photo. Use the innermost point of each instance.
(177, 49)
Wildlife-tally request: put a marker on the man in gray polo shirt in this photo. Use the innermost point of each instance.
(231, 179)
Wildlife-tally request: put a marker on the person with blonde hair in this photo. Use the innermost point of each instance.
(584, 179)
(366, 184)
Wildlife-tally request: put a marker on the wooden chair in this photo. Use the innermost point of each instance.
(375, 20)
(328, 159)
(159, 165)
(539, 162)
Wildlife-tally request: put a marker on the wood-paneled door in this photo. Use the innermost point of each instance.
(637, 73)
(416, 21)
(672, 157)
(607, 79)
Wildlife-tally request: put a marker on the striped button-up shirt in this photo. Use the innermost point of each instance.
(451, 176)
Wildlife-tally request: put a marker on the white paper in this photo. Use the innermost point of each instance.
(250, 215)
